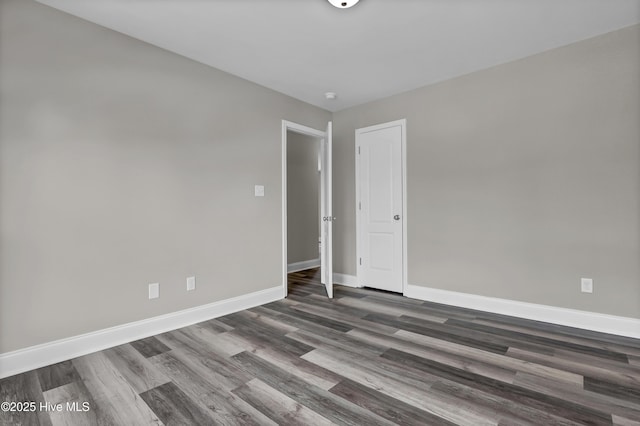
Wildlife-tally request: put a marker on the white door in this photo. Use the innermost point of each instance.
(380, 206)
(326, 217)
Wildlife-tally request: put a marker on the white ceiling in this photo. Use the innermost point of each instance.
(304, 48)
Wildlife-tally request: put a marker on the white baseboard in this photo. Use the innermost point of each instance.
(60, 350)
(301, 266)
(622, 326)
(345, 280)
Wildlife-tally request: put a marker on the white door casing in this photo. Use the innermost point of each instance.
(326, 243)
(381, 201)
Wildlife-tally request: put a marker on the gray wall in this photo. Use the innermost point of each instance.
(122, 164)
(522, 178)
(303, 192)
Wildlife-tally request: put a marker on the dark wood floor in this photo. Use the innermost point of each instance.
(364, 358)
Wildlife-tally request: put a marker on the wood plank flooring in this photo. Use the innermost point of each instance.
(364, 358)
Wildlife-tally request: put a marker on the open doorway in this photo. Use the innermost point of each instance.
(306, 205)
(303, 206)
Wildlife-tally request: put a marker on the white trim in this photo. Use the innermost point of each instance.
(60, 350)
(346, 280)
(594, 321)
(405, 210)
(284, 284)
(297, 128)
(403, 125)
(305, 264)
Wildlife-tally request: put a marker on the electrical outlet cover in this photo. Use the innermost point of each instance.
(586, 285)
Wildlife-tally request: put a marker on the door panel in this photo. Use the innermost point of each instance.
(380, 208)
(326, 219)
(381, 251)
(380, 167)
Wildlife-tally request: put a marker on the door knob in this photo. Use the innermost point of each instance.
(396, 217)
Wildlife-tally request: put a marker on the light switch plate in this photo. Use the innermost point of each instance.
(154, 290)
(191, 283)
(259, 190)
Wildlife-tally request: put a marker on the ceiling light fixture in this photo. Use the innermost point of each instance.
(331, 95)
(343, 4)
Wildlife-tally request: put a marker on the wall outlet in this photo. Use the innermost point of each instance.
(586, 285)
(259, 190)
(191, 283)
(154, 290)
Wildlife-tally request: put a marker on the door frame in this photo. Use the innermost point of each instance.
(305, 130)
(403, 155)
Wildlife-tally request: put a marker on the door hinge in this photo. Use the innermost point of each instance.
(360, 205)
(360, 261)
(358, 150)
